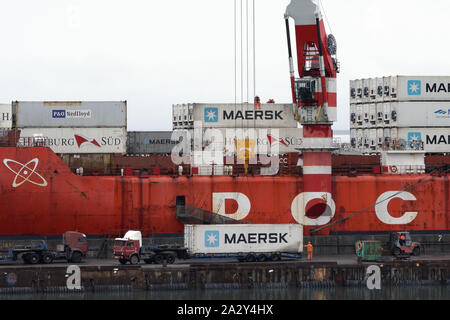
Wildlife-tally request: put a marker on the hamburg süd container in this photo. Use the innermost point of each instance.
(260, 140)
(76, 140)
(65, 114)
(243, 238)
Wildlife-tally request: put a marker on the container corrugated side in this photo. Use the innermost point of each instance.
(78, 140)
(435, 140)
(150, 142)
(241, 115)
(403, 114)
(418, 88)
(229, 239)
(422, 114)
(64, 114)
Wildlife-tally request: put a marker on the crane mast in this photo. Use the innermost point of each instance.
(314, 94)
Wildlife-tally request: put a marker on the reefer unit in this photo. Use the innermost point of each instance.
(64, 114)
(243, 238)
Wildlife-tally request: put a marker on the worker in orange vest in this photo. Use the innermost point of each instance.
(257, 103)
(402, 240)
(309, 248)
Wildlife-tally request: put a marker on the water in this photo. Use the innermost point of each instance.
(338, 293)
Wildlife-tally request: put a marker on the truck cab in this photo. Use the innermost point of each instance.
(74, 247)
(128, 248)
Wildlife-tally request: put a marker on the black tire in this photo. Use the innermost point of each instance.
(123, 261)
(262, 258)
(171, 259)
(397, 252)
(250, 257)
(276, 257)
(416, 251)
(76, 257)
(26, 258)
(33, 258)
(159, 258)
(47, 258)
(134, 259)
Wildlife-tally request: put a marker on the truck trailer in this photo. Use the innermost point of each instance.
(73, 249)
(247, 242)
(130, 249)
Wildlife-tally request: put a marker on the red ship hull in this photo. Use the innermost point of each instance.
(45, 197)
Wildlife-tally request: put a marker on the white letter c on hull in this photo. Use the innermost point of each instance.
(381, 209)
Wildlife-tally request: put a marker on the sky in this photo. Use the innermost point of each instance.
(158, 53)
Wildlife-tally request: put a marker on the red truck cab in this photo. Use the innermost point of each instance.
(128, 248)
(75, 246)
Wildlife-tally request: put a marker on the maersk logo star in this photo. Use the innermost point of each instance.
(414, 136)
(211, 239)
(414, 87)
(211, 115)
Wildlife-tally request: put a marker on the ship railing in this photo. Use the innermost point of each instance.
(407, 169)
(9, 137)
(237, 170)
(353, 169)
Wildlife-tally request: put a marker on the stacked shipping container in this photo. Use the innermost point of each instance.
(400, 113)
(268, 129)
(73, 127)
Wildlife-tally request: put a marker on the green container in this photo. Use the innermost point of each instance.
(368, 250)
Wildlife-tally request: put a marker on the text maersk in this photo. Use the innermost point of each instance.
(438, 139)
(253, 115)
(437, 87)
(256, 238)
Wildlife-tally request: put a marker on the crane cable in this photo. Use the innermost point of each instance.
(410, 186)
(242, 60)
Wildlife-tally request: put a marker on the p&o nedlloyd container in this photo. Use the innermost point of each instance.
(64, 114)
(234, 116)
(241, 239)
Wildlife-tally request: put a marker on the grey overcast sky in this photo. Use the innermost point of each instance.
(158, 53)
